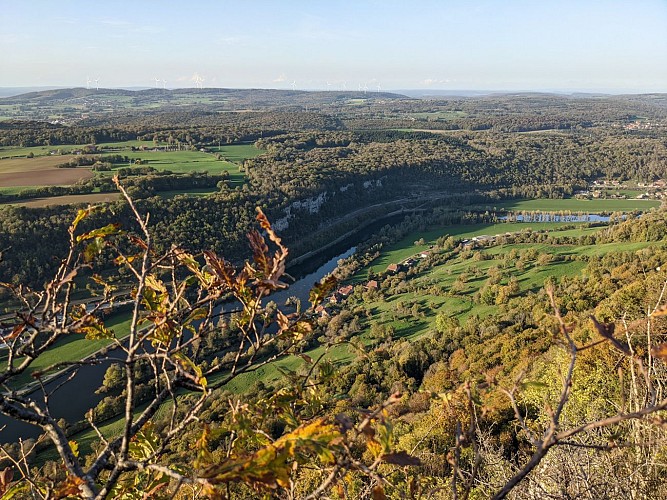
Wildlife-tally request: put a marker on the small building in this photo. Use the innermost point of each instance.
(345, 291)
(322, 311)
(372, 285)
(393, 268)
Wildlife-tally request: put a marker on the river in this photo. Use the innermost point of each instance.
(72, 400)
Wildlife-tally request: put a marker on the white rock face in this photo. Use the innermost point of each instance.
(313, 204)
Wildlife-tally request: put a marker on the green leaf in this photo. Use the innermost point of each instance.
(100, 232)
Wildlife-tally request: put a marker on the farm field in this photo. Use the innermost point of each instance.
(18, 173)
(40, 171)
(576, 205)
(17, 152)
(188, 192)
(71, 199)
(180, 161)
(236, 153)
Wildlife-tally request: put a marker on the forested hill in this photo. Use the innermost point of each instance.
(71, 103)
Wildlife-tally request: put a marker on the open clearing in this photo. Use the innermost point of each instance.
(40, 171)
(576, 205)
(70, 199)
(18, 173)
(406, 247)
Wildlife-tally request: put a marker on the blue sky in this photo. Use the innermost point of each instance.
(602, 45)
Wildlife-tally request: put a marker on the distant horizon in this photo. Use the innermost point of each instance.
(12, 91)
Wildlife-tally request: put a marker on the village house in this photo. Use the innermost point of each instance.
(409, 262)
(322, 311)
(393, 268)
(372, 285)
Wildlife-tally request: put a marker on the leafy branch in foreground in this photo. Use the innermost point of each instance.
(175, 302)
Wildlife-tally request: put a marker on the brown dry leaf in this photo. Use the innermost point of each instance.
(68, 488)
(659, 351)
(282, 320)
(606, 330)
(378, 493)
(660, 311)
(6, 476)
(401, 458)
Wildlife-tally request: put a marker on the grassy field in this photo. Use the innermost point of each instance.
(13, 152)
(188, 192)
(439, 280)
(575, 205)
(11, 190)
(236, 153)
(406, 247)
(17, 172)
(73, 348)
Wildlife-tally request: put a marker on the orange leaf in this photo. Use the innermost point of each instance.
(659, 351)
(661, 311)
(378, 493)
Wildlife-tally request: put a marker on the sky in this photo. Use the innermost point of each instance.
(543, 45)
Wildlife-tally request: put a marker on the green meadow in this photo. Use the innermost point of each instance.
(575, 205)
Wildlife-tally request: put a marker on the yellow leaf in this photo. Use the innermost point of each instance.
(75, 448)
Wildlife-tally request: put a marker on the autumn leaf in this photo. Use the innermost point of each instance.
(75, 448)
(92, 327)
(661, 311)
(68, 488)
(322, 289)
(378, 493)
(271, 466)
(606, 330)
(401, 458)
(660, 351)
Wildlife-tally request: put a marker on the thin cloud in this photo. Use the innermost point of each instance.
(433, 81)
(280, 78)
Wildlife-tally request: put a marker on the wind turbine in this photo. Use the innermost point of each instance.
(164, 84)
(328, 86)
(97, 83)
(88, 82)
(345, 85)
(379, 88)
(365, 88)
(157, 83)
(294, 85)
